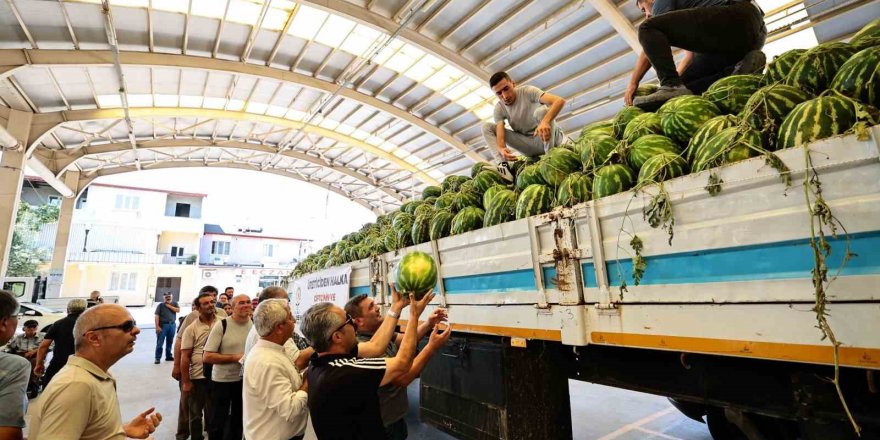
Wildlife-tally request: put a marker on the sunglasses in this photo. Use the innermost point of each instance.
(126, 327)
(348, 320)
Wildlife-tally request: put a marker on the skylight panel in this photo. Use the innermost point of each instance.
(244, 12)
(140, 100)
(275, 19)
(374, 140)
(129, 3)
(386, 53)
(106, 101)
(360, 135)
(235, 105)
(276, 111)
(344, 129)
(799, 40)
(413, 159)
(257, 108)
(191, 101)
(387, 146)
(458, 91)
(307, 22)
(328, 124)
(334, 31)
(484, 111)
(166, 100)
(171, 5)
(295, 115)
(214, 103)
(209, 8)
(442, 79)
(469, 100)
(436, 174)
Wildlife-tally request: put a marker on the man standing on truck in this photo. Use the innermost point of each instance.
(719, 37)
(531, 113)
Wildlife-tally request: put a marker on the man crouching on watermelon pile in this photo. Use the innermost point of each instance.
(719, 37)
(343, 387)
(531, 114)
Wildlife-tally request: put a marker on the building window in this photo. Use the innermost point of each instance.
(220, 247)
(129, 203)
(269, 250)
(123, 281)
(54, 200)
(176, 251)
(182, 210)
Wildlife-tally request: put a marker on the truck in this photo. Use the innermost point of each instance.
(746, 294)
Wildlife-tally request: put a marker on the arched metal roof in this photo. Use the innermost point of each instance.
(370, 98)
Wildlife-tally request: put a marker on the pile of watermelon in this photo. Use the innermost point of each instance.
(805, 95)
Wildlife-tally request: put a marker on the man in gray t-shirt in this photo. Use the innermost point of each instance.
(224, 350)
(531, 113)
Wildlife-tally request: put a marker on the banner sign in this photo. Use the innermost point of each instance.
(330, 285)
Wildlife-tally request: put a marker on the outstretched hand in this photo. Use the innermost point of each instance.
(439, 339)
(143, 425)
(417, 307)
(398, 301)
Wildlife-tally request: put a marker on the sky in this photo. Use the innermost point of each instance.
(280, 205)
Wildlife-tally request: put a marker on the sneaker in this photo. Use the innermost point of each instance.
(503, 169)
(169, 359)
(752, 62)
(653, 101)
(157, 362)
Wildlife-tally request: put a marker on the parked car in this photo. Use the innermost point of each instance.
(44, 316)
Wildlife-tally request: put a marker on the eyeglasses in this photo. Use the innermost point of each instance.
(348, 320)
(126, 327)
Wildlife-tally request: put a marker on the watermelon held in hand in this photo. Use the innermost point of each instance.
(612, 179)
(781, 65)
(661, 167)
(731, 93)
(535, 199)
(859, 77)
(648, 146)
(416, 273)
(574, 189)
(815, 69)
(816, 119)
(623, 117)
(441, 224)
(641, 125)
(502, 208)
(468, 219)
(556, 165)
(707, 131)
(730, 145)
(594, 150)
(682, 116)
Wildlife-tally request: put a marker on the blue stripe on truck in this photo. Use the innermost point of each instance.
(780, 260)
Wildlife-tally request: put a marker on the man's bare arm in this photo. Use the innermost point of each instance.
(377, 344)
(685, 62)
(212, 357)
(172, 307)
(642, 66)
(398, 366)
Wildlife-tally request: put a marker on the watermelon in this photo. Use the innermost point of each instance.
(490, 193)
(766, 109)
(403, 220)
(594, 150)
(530, 175)
(465, 199)
(416, 273)
(660, 167)
(867, 42)
(445, 201)
(453, 183)
(645, 123)
(556, 165)
(623, 117)
(486, 179)
(410, 207)
(574, 189)
(815, 69)
(646, 89)
(501, 209)
(479, 167)
(859, 77)
(781, 65)
(423, 210)
(730, 145)
(869, 33)
(731, 93)
(682, 116)
(816, 119)
(710, 128)
(648, 146)
(421, 229)
(440, 225)
(403, 237)
(468, 219)
(534, 200)
(605, 127)
(431, 191)
(612, 179)
(517, 165)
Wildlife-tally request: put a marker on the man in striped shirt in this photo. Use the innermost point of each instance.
(340, 382)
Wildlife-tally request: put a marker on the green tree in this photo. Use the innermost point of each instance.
(24, 257)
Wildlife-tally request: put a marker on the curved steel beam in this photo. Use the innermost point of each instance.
(86, 180)
(13, 59)
(45, 123)
(63, 160)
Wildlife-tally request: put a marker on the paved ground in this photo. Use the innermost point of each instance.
(598, 412)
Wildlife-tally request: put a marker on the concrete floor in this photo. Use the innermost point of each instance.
(598, 412)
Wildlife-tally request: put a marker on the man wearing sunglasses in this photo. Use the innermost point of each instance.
(342, 382)
(81, 401)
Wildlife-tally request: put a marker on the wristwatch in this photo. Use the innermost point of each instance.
(393, 314)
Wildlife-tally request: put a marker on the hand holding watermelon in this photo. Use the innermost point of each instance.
(418, 306)
(398, 301)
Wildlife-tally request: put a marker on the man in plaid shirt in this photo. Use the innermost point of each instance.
(25, 344)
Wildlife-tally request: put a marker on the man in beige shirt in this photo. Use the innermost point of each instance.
(80, 402)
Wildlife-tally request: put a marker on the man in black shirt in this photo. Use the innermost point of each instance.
(719, 37)
(343, 388)
(61, 333)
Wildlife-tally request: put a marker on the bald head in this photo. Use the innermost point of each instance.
(104, 334)
(241, 306)
(99, 316)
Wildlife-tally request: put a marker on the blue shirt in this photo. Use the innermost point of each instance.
(165, 314)
(14, 375)
(664, 6)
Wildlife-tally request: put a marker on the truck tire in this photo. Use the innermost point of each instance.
(720, 428)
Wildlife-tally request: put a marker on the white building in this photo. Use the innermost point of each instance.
(247, 259)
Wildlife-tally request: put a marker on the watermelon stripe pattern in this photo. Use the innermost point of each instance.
(557, 164)
(710, 128)
(649, 146)
(731, 145)
(530, 175)
(781, 65)
(623, 117)
(730, 94)
(661, 167)
(594, 150)
(574, 189)
(815, 69)
(416, 273)
(612, 179)
(486, 179)
(502, 208)
(816, 119)
(859, 77)
(641, 125)
(441, 225)
(766, 109)
(468, 219)
(534, 200)
(681, 117)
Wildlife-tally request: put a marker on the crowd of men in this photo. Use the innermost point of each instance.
(246, 374)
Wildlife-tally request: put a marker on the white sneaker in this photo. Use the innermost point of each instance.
(503, 169)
